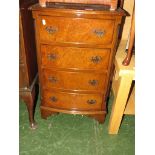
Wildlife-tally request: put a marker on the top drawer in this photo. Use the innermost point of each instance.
(76, 30)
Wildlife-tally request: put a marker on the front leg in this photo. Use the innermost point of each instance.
(29, 97)
(30, 107)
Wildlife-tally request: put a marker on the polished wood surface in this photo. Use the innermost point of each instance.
(75, 50)
(72, 101)
(47, 111)
(28, 37)
(120, 3)
(74, 11)
(29, 97)
(127, 59)
(128, 6)
(111, 3)
(75, 58)
(71, 30)
(74, 80)
(27, 59)
(23, 77)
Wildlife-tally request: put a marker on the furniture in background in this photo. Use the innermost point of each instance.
(127, 59)
(121, 3)
(75, 57)
(112, 4)
(123, 90)
(27, 59)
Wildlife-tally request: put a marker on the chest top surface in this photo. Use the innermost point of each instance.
(78, 8)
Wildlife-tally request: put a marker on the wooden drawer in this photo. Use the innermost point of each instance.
(63, 100)
(73, 80)
(76, 30)
(72, 57)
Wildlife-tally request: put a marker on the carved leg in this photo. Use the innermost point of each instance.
(29, 98)
(99, 117)
(46, 113)
(127, 59)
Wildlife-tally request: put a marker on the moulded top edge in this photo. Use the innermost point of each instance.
(117, 12)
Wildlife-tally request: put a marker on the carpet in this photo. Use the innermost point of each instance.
(66, 134)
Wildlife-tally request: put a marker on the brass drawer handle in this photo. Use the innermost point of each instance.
(51, 29)
(96, 59)
(53, 79)
(93, 82)
(53, 99)
(52, 56)
(99, 32)
(91, 101)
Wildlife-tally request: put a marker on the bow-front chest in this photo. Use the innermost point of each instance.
(75, 51)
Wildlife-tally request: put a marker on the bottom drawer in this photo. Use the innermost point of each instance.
(74, 101)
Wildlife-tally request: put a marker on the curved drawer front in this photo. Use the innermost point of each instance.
(72, 57)
(72, 101)
(73, 80)
(76, 30)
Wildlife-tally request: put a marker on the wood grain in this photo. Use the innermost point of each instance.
(72, 101)
(27, 59)
(71, 30)
(73, 80)
(75, 46)
(73, 57)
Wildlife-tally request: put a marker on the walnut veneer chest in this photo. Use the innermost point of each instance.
(75, 50)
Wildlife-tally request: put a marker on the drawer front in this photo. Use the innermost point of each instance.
(76, 30)
(73, 80)
(72, 101)
(72, 57)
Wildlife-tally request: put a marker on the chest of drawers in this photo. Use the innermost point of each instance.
(75, 51)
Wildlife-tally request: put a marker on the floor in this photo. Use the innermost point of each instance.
(65, 134)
